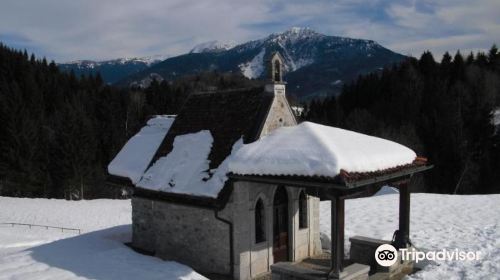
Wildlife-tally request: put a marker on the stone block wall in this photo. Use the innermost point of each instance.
(185, 234)
(193, 235)
(280, 113)
(143, 231)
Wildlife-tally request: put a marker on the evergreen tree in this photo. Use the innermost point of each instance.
(58, 132)
(441, 110)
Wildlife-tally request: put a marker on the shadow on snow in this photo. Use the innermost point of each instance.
(102, 255)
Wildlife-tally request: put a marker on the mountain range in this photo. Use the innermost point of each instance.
(111, 70)
(316, 65)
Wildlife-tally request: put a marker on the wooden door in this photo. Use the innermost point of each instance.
(280, 225)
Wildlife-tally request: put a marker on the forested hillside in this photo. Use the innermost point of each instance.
(58, 132)
(441, 110)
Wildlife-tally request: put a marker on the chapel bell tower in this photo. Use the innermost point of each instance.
(280, 114)
(275, 68)
(275, 83)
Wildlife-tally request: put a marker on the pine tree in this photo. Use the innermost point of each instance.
(441, 110)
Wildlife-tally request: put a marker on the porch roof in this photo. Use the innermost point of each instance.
(344, 182)
(315, 155)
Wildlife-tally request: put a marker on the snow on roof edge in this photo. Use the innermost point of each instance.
(135, 156)
(185, 170)
(307, 149)
(314, 150)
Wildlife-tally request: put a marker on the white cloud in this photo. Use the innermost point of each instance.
(438, 46)
(447, 25)
(107, 29)
(79, 29)
(409, 17)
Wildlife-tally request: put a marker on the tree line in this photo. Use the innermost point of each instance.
(443, 110)
(58, 132)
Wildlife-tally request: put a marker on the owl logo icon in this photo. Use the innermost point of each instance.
(386, 255)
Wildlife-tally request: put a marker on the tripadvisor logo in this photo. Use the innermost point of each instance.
(387, 255)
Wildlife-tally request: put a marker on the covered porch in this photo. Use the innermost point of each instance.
(361, 264)
(334, 164)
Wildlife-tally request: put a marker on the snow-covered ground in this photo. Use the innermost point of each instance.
(469, 223)
(438, 222)
(98, 253)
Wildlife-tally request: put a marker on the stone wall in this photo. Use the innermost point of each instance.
(193, 236)
(143, 231)
(280, 113)
(189, 235)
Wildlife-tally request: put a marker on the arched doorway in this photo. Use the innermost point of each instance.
(280, 225)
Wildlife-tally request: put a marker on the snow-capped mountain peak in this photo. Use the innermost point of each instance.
(314, 64)
(149, 60)
(114, 69)
(301, 31)
(213, 46)
(295, 34)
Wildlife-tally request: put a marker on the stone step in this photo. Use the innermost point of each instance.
(265, 276)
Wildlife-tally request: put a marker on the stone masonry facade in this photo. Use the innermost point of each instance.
(182, 233)
(194, 236)
(198, 237)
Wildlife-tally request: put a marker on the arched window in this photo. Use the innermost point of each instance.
(260, 230)
(302, 210)
(277, 71)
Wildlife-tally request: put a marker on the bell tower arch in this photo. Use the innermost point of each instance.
(275, 68)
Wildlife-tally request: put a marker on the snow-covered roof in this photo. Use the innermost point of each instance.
(135, 156)
(186, 170)
(311, 149)
(307, 149)
(193, 156)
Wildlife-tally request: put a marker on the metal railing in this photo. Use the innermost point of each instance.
(43, 226)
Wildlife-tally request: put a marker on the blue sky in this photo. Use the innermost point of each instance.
(96, 29)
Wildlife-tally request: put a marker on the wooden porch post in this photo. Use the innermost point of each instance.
(337, 237)
(402, 238)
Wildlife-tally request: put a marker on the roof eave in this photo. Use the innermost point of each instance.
(119, 181)
(388, 177)
(292, 181)
(218, 202)
(330, 183)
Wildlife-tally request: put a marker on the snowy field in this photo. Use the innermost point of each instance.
(470, 223)
(98, 253)
(438, 221)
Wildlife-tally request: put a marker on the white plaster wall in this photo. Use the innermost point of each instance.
(255, 259)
